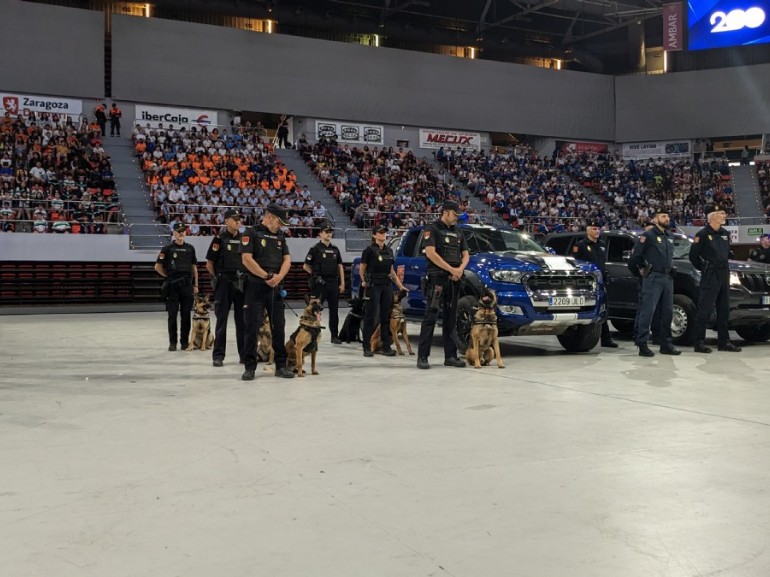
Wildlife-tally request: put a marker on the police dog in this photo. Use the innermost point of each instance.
(351, 328)
(397, 327)
(484, 345)
(265, 352)
(304, 341)
(200, 335)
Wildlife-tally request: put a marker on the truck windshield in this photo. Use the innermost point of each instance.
(682, 247)
(494, 240)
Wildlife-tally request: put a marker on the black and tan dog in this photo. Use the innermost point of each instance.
(397, 327)
(351, 328)
(484, 345)
(265, 351)
(200, 334)
(304, 341)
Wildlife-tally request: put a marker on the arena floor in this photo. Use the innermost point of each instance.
(122, 459)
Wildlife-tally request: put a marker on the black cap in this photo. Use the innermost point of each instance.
(233, 213)
(180, 227)
(276, 209)
(451, 205)
(380, 228)
(594, 223)
(659, 210)
(326, 225)
(766, 235)
(709, 208)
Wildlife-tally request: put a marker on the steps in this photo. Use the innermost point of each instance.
(746, 195)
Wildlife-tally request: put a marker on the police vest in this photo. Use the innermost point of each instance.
(228, 255)
(267, 247)
(178, 261)
(325, 261)
(449, 244)
(379, 264)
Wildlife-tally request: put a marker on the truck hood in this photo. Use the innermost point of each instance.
(528, 261)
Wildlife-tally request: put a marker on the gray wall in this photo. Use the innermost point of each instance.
(51, 50)
(208, 66)
(723, 102)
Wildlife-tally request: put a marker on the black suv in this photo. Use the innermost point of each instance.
(749, 287)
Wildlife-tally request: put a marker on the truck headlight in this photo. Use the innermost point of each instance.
(512, 276)
(735, 279)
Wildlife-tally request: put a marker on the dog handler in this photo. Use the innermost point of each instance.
(177, 264)
(448, 255)
(327, 276)
(265, 255)
(224, 263)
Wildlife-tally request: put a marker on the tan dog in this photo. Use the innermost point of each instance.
(484, 345)
(304, 341)
(397, 325)
(200, 334)
(265, 351)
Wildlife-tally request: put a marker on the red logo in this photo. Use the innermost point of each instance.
(11, 104)
(458, 139)
(203, 119)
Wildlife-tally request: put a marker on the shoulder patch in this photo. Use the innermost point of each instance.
(576, 249)
(245, 240)
(215, 246)
(161, 256)
(696, 240)
(426, 236)
(642, 239)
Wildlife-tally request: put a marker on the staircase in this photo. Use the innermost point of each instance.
(144, 232)
(746, 195)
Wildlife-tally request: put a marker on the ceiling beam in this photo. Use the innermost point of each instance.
(535, 8)
(622, 24)
(483, 17)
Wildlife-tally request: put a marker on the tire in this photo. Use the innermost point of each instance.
(754, 334)
(466, 309)
(623, 325)
(581, 338)
(683, 321)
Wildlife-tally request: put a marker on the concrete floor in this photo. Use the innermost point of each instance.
(119, 458)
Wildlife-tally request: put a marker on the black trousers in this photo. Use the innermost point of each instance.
(329, 293)
(102, 126)
(448, 304)
(179, 301)
(226, 296)
(714, 292)
(655, 327)
(114, 126)
(380, 299)
(657, 292)
(258, 299)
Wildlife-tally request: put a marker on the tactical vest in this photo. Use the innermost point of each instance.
(325, 261)
(380, 264)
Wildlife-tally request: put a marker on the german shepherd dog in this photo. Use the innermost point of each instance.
(351, 328)
(397, 327)
(305, 339)
(265, 352)
(484, 345)
(200, 335)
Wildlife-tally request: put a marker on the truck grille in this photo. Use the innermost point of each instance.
(754, 282)
(544, 287)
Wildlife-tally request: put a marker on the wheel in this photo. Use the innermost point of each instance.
(683, 320)
(581, 338)
(754, 334)
(466, 309)
(623, 325)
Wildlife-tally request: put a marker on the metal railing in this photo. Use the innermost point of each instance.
(23, 225)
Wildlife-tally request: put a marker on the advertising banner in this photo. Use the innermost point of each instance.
(24, 104)
(572, 147)
(673, 27)
(647, 150)
(175, 117)
(433, 138)
(723, 23)
(350, 132)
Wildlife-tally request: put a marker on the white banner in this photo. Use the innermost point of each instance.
(176, 117)
(432, 138)
(647, 150)
(23, 104)
(350, 132)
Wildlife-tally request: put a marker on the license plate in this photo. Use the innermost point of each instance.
(566, 301)
(766, 300)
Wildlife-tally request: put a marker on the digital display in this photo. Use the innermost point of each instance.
(723, 23)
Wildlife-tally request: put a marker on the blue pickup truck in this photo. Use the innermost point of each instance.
(538, 293)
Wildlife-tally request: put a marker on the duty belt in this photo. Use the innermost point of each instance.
(665, 270)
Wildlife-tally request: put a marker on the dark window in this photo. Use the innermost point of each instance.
(617, 246)
(560, 244)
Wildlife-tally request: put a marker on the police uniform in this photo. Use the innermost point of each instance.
(710, 254)
(440, 290)
(268, 250)
(595, 252)
(760, 254)
(178, 262)
(325, 261)
(224, 252)
(654, 253)
(378, 295)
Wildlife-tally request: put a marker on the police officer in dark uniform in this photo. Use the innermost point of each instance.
(376, 272)
(265, 255)
(761, 254)
(710, 253)
(327, 276)
(177, 264)
(656, 317)
(653, 257)
(224, 263)
(592, 249)
(448, 255)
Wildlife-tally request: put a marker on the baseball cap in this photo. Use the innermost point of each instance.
(180, 227)
(451, 205)
(594, 223)
(380, 228)
(326, 225)
(232, 213)
(709, 208)
(277, 210)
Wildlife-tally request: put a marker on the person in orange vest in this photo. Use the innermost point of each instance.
(115, 114)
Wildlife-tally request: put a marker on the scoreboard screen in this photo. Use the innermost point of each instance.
(723, 23)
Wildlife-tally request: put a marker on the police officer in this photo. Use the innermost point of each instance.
(592, 249)
(376, 272)
(177, 264)
(265, 255)
(655, 317)
(327, 275)
(447, 253)
(224, 263)
(710, 253)
(761, 254)
(653, 257)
